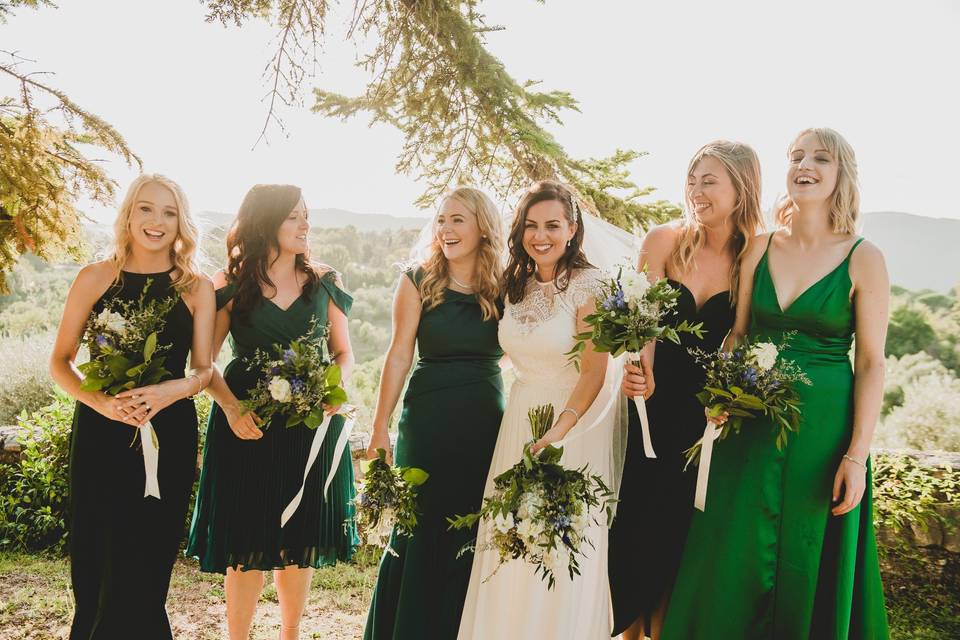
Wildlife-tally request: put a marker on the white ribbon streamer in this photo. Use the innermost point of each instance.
(318, 437)
(642, 412)
(710, 433)
(581, 432)
(151, 459)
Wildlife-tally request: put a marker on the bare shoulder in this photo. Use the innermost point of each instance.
(867, 259)
(204, 285)
(219, 279)
(96, 277)
(662, 237)
(757, 246)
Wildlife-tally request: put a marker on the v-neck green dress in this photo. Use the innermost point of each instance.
(245, 484)
(767, 559)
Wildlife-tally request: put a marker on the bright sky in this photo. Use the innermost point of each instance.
(662, 77)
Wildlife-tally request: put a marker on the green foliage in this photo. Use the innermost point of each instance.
(25, 383)
(906, 493)
(387, 501)
(928, 419)
(909, 331)
(902, 371)
(34, 492)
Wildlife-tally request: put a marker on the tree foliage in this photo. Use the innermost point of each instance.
(464, 118)
(44, 169)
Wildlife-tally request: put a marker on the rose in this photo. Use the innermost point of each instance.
(279, 389)
(764, 354)
(112, 321)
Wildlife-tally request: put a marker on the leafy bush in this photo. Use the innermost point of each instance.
(35, 491)
(24, 381)
(905, 493)
(901, 371)
(928, 419)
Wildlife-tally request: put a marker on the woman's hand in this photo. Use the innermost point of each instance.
(379, 440)
(245, 425)
(331, 410)
(717, 421)
(851, 478)
(112, 408)
(556, 433)
(637, 381)
(143, 403)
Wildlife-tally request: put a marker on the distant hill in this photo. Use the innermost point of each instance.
(330, 218)
(921, 252)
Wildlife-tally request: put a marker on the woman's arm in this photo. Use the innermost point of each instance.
(593, 371)
(748, 268)
(871, 305)
(146, 402)
(406, 319)
(92, 282)
(655, 251)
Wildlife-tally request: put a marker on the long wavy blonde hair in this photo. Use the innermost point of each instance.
(743, 167)
(436, 272)
(845, 202)
(185, 249)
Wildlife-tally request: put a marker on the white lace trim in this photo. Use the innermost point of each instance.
(542, 300)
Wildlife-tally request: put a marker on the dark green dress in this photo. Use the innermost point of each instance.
(245, 484)
(122, 545)
(767, 559)
(448, 427)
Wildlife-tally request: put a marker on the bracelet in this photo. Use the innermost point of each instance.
(576, 414)
(855, 461)
(199, 383)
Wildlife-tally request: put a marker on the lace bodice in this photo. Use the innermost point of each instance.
(537, 332)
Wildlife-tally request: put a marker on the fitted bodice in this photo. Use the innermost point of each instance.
(822, 317)
(538, 331)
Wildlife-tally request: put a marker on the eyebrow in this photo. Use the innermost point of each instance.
(706, 175)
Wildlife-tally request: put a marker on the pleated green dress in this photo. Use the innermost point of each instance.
(767, 559)
(245, 484)
(448, 427)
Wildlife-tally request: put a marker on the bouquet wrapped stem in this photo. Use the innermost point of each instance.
(751, 380)
(387, 501)
(630, 314)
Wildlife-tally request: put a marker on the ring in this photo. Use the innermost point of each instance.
(147, 406)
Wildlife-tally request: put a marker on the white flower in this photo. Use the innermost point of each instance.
(556, 558)
(765, 355)
(112, 321)
(280, 389)
(580, 521)
(529, 529)
(503, 523)
(635, 286)
(529, 504)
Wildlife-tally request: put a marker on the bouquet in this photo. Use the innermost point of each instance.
(124, 354)
(387, 500)
(298, 380)
(747, 382)
(629, 314)
(539, 511)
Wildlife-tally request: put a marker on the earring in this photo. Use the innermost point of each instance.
(568, 243)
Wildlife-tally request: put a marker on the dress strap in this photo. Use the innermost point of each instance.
(770, 239)
(855, 245)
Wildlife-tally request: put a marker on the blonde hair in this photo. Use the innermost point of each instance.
(185, 248)
(845, 201)
(436, 271)
(743, 167)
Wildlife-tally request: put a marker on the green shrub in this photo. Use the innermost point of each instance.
(906, 493)
(35, 491)
(24, 380)
(902, 371)
(928, 419)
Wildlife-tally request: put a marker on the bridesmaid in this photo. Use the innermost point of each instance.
(786, 547)
(123, 545)
(699, 254)
(447, 309)
(270, 293)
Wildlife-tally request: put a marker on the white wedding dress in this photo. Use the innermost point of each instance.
(515, 603)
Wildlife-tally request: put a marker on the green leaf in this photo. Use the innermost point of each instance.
(414, 476)
(313, 420)
(150, 346)
(335, 397)
(333, 376)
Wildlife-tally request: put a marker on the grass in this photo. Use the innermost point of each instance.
(923, 599)
(36, 602)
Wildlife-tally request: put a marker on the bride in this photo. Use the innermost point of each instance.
(549, 287)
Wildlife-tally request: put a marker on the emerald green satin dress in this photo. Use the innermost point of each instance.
(767, 559)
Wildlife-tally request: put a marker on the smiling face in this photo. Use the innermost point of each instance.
(711, 195)
(812, 176)
(154, 220)
(546, 232)
(294, 230)
(457, 230)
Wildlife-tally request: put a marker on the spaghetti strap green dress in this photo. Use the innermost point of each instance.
(448, 427)
(245, 484)
(767, 559)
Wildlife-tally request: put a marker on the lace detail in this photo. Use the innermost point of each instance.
(542, 300)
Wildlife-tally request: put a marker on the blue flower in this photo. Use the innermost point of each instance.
(297, 385)
(561, 523)
(274, 371)
(288, 356)
(102, 340)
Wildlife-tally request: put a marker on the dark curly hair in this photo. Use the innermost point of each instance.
(252, 237)
(520, 265)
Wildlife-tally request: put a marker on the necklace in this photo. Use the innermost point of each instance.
(460, 284)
